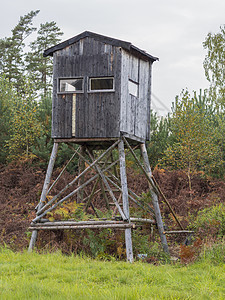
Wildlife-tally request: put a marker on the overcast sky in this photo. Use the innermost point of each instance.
(172, 30)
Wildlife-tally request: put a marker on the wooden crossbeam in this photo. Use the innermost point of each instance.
(143, 220)
(83, 226)
(73, 222)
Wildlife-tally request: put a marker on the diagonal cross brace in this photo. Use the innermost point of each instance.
(40, 211)
(68, 196)
(108, 187)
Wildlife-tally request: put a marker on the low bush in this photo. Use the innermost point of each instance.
(210, 222)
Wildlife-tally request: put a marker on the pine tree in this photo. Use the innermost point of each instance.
(12, 50)
(39, 67)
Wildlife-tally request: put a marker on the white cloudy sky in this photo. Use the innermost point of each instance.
(172, 30)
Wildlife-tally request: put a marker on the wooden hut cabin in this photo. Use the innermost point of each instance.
(101, 88)
(101, 93)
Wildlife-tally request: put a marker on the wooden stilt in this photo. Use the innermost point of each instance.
(155, 201)
(44, 191)
(80, 195)
(123, 176)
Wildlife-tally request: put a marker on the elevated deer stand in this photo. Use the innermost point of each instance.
(101, 100)
(104, 165)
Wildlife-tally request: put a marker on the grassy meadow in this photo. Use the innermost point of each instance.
(55, 276)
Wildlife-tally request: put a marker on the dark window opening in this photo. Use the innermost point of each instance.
(101, 84)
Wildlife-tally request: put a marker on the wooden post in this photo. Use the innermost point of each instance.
(44, 191)
(155, 201)
(81, 163)
(123, 176)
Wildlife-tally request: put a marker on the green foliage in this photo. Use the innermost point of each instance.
(40, 68)
(193, 126)
(143, 245)
(68, 211)
(99, 243)
(42, 150)
(45, 114)
(24, 124)
(210, 221)
(7, 93)
(159, 138)
(214, 64)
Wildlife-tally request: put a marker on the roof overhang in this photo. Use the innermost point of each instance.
(105, 39)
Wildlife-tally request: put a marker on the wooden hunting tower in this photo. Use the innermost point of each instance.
(101, 87)
(101, 100)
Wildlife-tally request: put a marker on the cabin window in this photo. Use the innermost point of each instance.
(101, 84)
(70, 85)
(133, 88)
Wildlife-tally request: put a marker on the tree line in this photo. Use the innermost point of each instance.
(190, 138)
(25, 93)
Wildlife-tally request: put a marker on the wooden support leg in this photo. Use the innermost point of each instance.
(81, 169)
(123, 176)
(44, 191)
(114, 169)
(155, 201)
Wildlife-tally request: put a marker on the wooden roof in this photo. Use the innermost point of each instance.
(105, 39)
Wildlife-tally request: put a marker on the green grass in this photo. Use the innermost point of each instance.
(54, 276)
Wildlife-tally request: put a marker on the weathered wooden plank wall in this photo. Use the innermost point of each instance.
(97, 114)
(141, 116)
(101, 114)
(135, 111)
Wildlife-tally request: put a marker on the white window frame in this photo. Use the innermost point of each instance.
(70, 92)
(133, 84)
